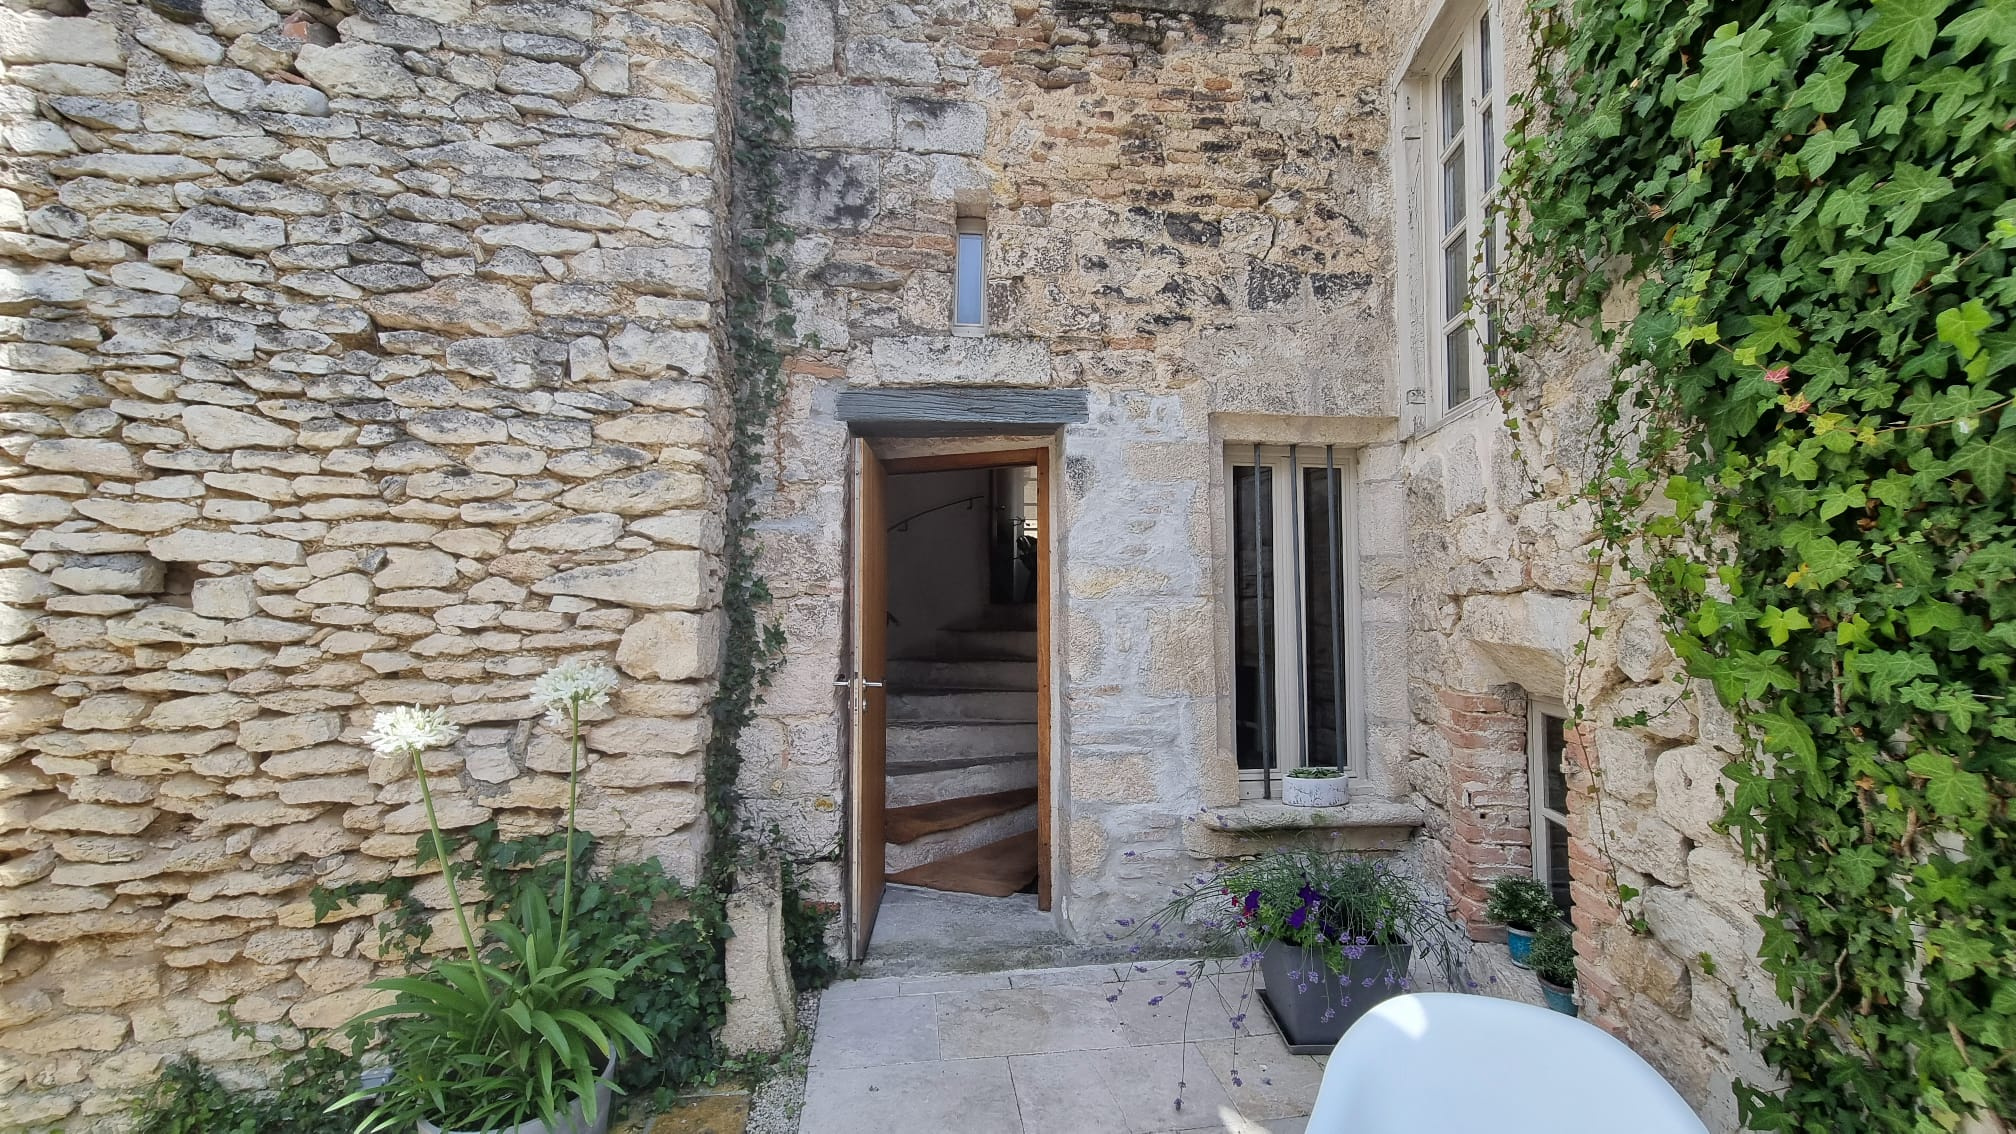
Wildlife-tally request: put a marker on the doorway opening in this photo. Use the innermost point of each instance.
(951, 748)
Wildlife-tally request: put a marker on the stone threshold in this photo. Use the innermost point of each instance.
(1362, 823)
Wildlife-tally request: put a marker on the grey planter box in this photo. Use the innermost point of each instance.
(1299, 1004)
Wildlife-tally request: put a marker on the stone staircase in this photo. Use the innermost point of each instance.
(962, 756)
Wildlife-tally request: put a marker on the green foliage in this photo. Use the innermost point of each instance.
(1521, 902)
(1314, 773)
(805, 923)
(493, 1042)
(189, 1099)
(1553, 955)
(1813, 204)
(1330, 903)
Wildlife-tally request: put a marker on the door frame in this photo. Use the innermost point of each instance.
(1040, 460)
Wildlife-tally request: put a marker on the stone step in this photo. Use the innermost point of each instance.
(908, 824)
(986, 644)
(933, 781)
(964, 705)
(944, 844)
(958, 740)
(997, 869)
(936, 675)
(1000, 616)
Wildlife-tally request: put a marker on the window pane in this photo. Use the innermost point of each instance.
(1455, 277)
(1452, 101)
(1455, 198)
(1555, 735)
(1490, 151)
(1323, 622)
(1458, 361)
(1557, 865)
(1484, 54)
(970, 280)
(1255, 663)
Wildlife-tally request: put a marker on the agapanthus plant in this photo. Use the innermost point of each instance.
(529, 1031)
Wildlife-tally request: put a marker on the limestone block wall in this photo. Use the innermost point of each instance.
(1502, 618)
(353, 356)
(1188, 216)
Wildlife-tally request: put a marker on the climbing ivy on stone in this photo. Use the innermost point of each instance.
(759, 329)
(1813, 206)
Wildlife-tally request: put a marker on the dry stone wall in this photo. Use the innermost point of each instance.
(354, 355)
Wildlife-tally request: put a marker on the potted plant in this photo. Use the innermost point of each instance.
(1315, 787)
(522, 1039)
(1333, 933)
(1522, 905)
(1554, 964)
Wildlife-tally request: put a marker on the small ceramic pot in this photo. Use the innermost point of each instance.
(1558, 998)
(1305, 791)
(1519, 943)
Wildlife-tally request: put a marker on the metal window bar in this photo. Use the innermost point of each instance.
(1299, 610)
(1333, 551)
(1261, 628)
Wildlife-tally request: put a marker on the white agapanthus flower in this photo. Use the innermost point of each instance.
(407, 729)
(573, 685)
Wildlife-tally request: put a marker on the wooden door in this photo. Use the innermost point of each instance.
(867, 700)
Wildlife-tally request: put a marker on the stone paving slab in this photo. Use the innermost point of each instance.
(1095, 1049)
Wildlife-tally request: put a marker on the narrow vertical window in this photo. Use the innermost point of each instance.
(969, 277)
(1292, 610)
(1459, 87)
(1547, 784)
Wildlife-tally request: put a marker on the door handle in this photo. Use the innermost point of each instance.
(843, 681)
(871, 685)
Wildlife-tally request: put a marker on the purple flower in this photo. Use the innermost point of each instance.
(1153, 1001)
(1252, 904)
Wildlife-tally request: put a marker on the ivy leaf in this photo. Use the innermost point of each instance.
(1909, 190)
(1826, 89)
(1990, 463)
(1887, 669)
(1907, 261)
(1780, 624)
(1994, 21)
(1956, 792)
(1771, 332)
(1962, 327)
(1907, 27)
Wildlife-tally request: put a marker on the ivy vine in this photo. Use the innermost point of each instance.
(1812, 435)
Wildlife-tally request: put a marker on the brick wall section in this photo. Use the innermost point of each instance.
(351, 361)
(1490, 829)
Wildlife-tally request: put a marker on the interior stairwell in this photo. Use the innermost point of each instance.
(961, 802)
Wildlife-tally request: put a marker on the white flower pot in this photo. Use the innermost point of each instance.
(1302, 791)
(575, 1122)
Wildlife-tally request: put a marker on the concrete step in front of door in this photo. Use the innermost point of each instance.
(1000, 616)
(937, 675)
(929, 781)
(950, 740)
(945, 844)
(963, 705)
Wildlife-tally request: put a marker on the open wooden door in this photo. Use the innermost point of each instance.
(867, 700)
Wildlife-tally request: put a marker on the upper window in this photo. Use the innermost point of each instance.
(1292, 610)
(969, 277)
(1461, 134)
(1547, 788)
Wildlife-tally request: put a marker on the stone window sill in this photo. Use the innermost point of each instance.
(1363, 823)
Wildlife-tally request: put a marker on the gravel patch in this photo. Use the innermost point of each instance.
(778, 1101)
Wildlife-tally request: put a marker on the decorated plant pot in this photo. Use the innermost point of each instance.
(1519, 943)
(1558, 998)
(1314, 1006)
(1313, 791)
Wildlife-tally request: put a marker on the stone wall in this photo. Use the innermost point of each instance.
(354, 356)
(1188, 216)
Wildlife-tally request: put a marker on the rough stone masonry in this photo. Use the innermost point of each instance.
(354, 355)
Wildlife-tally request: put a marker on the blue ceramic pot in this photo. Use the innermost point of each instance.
(1519, 943)
(1558, 998)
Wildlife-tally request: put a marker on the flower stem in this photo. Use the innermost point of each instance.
(448, 872)
(573, 780)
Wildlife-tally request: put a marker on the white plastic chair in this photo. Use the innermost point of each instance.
(1445, 1063)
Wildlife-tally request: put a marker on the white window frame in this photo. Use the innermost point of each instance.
(969, 226)
(1458, 39)
(1537, 713)
(1286, 641)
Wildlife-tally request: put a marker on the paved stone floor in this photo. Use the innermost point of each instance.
(1053, 1051)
